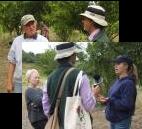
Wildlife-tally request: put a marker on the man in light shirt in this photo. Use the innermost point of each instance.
(14, 76)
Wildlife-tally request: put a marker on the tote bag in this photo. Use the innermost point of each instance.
(76, 116)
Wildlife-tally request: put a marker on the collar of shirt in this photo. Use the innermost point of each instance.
(66, 64)
(94, 34)
(32, 37)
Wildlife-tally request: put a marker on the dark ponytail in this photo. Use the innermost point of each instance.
(133, 72)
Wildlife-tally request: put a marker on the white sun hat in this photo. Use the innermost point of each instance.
(65, 50)
(96, 13)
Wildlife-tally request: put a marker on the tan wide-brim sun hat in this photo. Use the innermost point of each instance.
(66, 50)
(95, 13)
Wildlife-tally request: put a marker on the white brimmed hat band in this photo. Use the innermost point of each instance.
(66, 52)
(96, 14)
(93, 14)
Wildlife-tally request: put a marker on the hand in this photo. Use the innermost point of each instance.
(9, 87)
(102, 99)
(96, 91)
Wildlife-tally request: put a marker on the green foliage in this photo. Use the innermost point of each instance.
(11, 13)
(99, 62)
(135, 52)
(1, 29)
(63, 16)
(28, 57)
(46, 61)
(112, 16)
(36, 8)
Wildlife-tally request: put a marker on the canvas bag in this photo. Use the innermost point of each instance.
(53, 122)
(76, 116)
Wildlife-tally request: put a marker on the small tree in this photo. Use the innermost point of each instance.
(46, 61)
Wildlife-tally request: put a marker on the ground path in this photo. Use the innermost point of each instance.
(3, 66)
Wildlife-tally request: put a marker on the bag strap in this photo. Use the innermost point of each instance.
(53, 103)
(62, 87)
(78, 83)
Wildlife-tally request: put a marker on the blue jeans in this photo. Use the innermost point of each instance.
(17, 87)
(124, 124)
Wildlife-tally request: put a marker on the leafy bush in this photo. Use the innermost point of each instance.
(28, 57)
(46, 61)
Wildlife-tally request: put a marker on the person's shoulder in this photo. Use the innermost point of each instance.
(52, 74)
(77, 70)
(128, 82)
(41, 38)
(29, 90)
(18, 39)
(102, 37)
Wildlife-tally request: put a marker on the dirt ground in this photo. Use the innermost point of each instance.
(3, 67)
(25, 122)
(99, 121)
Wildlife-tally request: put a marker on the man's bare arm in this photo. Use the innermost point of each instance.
(10, 74)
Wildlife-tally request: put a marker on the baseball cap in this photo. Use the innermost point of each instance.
(27, 18)
(123, 58)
